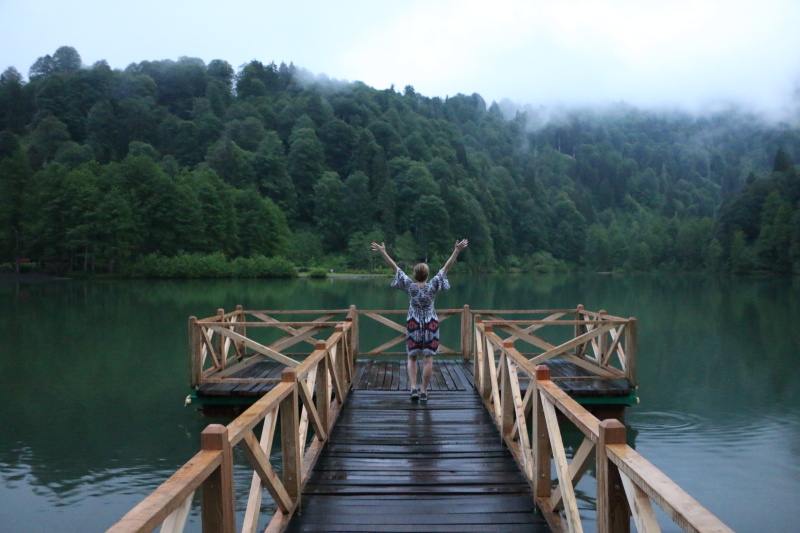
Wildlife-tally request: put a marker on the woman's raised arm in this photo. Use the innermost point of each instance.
(381, 249)
(460, 245)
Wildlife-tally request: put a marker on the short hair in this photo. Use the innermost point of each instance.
(421, 272)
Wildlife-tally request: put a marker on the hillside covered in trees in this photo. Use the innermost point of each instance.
(106, 170)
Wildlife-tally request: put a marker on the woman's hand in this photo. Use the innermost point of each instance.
(381, 249)
(460, 245)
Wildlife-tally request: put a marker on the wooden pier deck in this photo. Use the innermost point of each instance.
(397, 466)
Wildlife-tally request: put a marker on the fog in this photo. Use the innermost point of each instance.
(693, 55)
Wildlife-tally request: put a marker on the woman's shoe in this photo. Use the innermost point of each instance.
(423, 397)
(414, 395)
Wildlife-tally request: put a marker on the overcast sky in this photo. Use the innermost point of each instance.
(687, 53)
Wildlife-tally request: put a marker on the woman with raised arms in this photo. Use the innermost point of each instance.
(422, 324)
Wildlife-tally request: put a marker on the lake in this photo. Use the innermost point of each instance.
(93, 377)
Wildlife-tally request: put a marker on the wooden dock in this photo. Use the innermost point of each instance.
(357, 455)
(397, 466)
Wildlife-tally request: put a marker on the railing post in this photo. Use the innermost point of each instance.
(541, 448)
(466, 333)
(354, 346)
(218, 510)
(631, 347)
(578, 330)
(290, 435)
(337, 371)
(220, 344)
(613, 514)
(578, 315)
(195, 347)
(603, 340)
(241, 330)
(323, 393)
(507, 410)
(343, 352)
(486, 381)
(476, 362)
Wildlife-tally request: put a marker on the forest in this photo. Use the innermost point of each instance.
(181, 168)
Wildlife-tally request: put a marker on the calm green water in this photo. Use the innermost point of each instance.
(93, 376)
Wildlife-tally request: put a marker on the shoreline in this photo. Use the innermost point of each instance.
(30, 277)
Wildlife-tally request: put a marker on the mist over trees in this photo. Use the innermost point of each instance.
(102, 170)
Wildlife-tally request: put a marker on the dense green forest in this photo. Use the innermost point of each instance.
(269, 167)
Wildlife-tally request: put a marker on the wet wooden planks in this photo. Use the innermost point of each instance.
(580, 383)
(448, 375)
(258, 370)
(393, 465)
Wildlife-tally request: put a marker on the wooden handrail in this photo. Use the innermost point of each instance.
(154, 509)
(309, 395)
(679, 505)
(605, 346)
(626, 482)
(217, 344)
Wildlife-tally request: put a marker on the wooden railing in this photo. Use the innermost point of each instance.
(218, 345)
(604, 345)
(310, 392)
(381, 317)
(626, 481)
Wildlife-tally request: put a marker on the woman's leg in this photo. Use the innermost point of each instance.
(427, 372)
(412, 371)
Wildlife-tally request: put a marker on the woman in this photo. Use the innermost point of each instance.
(422, 324)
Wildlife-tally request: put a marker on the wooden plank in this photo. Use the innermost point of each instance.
(291, 447)
(260, 463)
(250, 521)
(564, 347)
(310, 408)
(217, 494)
(521, 423)
(680, 506)
(642, 510)
(579, 416)
(613, 514)
(246, 421)
(298, 335)
(176, 521)
(461, 371)
(386, 322)
(608, 372)
(269, 352)
(386, 345)
(580, 463)
(170, 495)
(562, 469)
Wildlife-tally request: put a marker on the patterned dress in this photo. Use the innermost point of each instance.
(422, 324)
